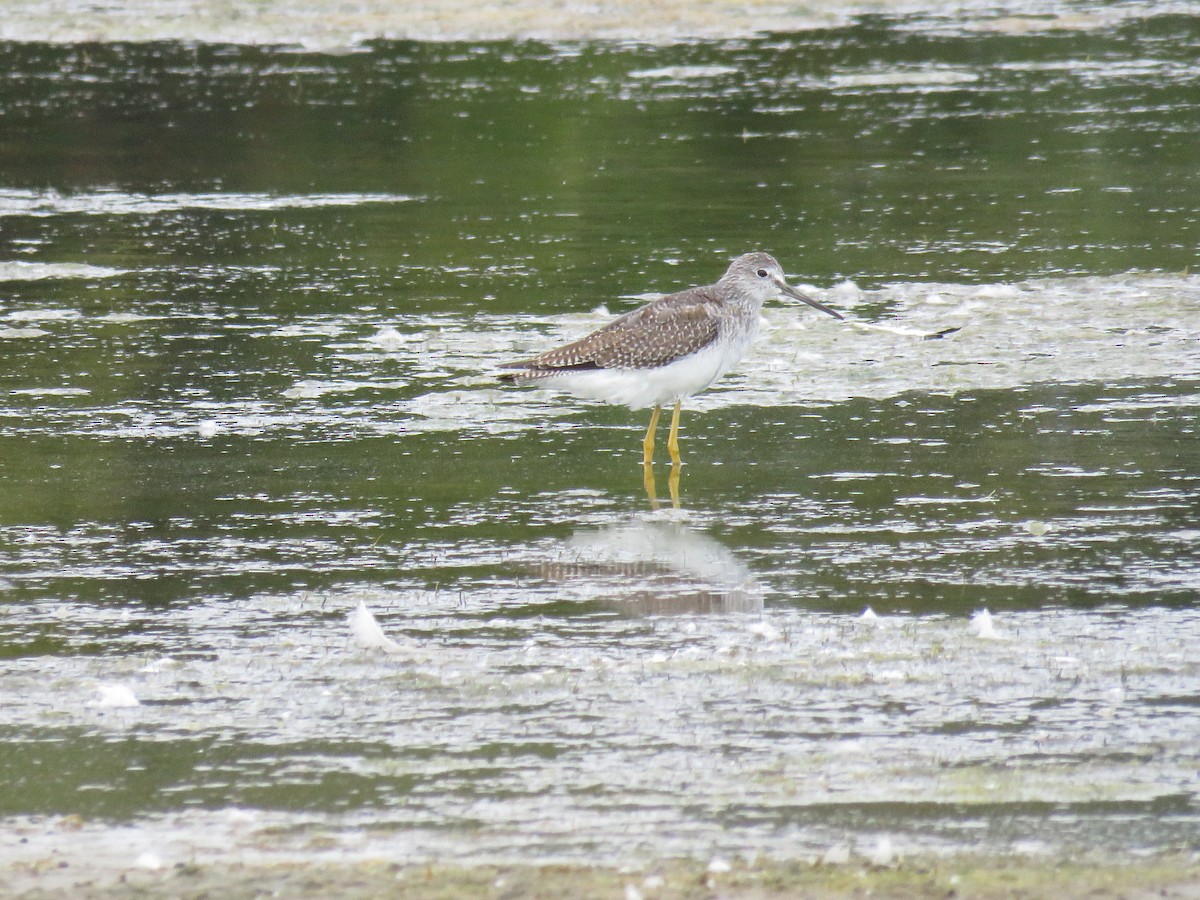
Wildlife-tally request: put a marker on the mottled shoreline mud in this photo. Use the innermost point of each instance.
(979, 878)
(328, 25)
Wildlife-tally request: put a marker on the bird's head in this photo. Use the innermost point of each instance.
(760, 275)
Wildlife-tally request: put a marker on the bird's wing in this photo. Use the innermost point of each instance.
(650, 336)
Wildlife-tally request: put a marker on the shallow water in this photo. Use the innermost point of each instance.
(249, 301)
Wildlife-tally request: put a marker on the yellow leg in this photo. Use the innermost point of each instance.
(673, 441)
(648, 440)
(673, 485)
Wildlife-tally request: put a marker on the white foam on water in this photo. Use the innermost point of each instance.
(19, 270)
(925, 79)
(19, 202)
(683, 73)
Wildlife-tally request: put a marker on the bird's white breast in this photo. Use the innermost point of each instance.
(639, 388)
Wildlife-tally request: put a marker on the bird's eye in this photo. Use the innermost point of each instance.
(761, 273)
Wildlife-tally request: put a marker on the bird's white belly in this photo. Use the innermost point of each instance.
(638, 388)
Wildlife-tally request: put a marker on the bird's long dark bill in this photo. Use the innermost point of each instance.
(804, 298)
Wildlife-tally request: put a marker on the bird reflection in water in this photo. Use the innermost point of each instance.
(654, 568)
(651, 487)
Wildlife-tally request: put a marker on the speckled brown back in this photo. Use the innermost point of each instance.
(669, 328)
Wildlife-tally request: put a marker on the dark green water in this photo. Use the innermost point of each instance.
(249, 302)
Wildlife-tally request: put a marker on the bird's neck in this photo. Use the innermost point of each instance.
(745, 303)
